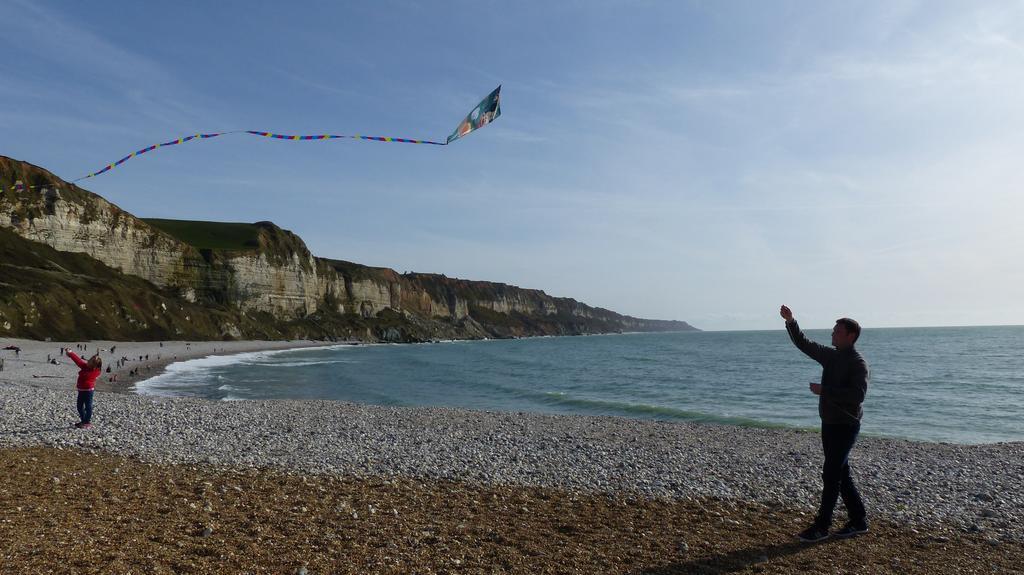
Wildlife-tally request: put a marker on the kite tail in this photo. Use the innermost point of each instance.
(150, 149)
(256, 133)
(335, 136)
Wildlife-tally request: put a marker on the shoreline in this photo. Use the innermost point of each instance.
(150, 359)
(147, 358)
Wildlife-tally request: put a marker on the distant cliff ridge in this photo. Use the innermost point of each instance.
(260, 280)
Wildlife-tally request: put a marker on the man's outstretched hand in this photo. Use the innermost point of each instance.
(786, 313)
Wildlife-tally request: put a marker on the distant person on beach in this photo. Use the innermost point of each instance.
(844, 383)
(86, 386)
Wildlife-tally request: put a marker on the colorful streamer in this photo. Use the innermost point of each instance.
(149, 149)
(484, 113)
(335, 136)
(254, 133)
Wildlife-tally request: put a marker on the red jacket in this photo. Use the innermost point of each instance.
(87, 376)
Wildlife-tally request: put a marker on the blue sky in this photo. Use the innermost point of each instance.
(702, 161)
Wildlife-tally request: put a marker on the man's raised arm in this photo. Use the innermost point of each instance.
(815, 351)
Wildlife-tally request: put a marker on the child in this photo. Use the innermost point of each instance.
(86, 386)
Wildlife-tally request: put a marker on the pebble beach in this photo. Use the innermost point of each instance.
(943, 491)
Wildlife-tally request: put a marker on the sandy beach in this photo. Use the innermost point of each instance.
(170, 485)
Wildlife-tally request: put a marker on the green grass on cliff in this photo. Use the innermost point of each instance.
(359, 272)
(210, 235)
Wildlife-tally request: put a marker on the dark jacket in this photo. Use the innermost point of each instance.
(844, 378)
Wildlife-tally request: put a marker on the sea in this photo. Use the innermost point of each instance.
(944, 384)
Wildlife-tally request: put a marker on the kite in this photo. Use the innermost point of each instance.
(484, 113)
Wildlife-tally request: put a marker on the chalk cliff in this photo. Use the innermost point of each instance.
(261, 271)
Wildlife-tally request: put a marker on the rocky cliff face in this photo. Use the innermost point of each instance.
(38, 206)
(272, 272)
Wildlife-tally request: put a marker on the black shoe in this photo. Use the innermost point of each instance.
(852, 529)
(813, 534)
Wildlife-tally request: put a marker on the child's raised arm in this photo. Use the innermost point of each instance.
(78, 361)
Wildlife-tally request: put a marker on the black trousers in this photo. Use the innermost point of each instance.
(837, 440)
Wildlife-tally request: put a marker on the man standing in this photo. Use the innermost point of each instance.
(844, 383)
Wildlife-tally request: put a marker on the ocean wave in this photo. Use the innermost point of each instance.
(305, 363)
(190, 371)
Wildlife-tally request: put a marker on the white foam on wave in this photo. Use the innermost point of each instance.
(305, 363)
(196, 371)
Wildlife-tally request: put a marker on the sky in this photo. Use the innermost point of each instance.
(704, 161)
